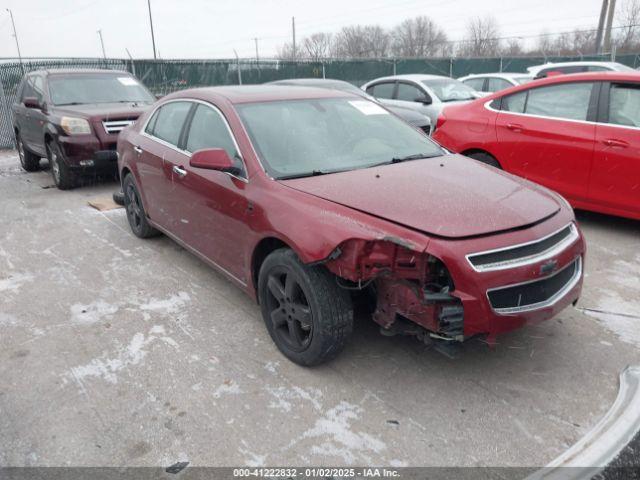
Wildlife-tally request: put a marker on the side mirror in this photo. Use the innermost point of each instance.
(213, 159)
(32, 102)
(423, 100)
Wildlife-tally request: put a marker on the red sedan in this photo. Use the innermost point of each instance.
(576, 134)
(308, 198)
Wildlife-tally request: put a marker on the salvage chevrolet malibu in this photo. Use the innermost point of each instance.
(307, 198)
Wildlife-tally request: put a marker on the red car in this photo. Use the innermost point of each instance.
(308, 198)
(576, 134)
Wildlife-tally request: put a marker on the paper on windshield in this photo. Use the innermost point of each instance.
(128, 81)
(368, 108)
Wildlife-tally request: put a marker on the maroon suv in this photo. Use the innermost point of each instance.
(73, 117)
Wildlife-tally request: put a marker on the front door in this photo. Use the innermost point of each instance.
(544, 135)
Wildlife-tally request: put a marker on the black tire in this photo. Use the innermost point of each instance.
(485, 158)
(118, 197)
(309, 317)
(136, 214)
(63, 177)
(30, 162)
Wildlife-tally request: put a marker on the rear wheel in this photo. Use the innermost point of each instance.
(485, 158)
(136, 215)
(30, 162)
(63, 177)
(309, 317)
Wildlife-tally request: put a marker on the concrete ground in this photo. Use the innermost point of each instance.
(119, 351)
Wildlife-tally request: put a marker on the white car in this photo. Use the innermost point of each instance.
(426, 94)
(494, 82)
(540, 71)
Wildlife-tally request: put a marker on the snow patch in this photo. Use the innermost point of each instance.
(91, 313)
(14, 281)
(227, 388)
(173, 304)
(283, 397)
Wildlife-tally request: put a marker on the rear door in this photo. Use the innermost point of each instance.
(215, 207)
(158, 155)
(615, 182)
(546, 135)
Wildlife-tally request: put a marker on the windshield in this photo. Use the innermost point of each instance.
(78, 89)
(449, 90)
(310, 137)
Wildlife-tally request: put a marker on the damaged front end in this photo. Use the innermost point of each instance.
(413, 291)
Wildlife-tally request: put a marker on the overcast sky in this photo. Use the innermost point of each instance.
(213, 28)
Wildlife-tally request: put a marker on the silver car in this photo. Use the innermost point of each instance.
(427, 94)
(494, 82)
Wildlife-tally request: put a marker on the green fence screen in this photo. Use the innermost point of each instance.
(165, 76)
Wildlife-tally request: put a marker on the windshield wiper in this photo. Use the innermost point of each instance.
(313, 173)
(415, 156)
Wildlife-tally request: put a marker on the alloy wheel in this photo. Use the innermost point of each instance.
(289, 309)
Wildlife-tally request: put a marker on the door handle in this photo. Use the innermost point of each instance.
(181, 172)
(137, 149)
(612, 142)
(516, 127)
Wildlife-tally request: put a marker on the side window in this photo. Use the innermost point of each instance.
(382, 90)
(408, 93)
(516, 102)
(497, 84)
(27, 90)
(624, 105)
(476, 83)
(209, 130)
(569, 100)
(38, 88)
(170, 119)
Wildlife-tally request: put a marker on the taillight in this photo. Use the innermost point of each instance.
(441, 120)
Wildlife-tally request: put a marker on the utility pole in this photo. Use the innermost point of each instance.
(607, 32)
(153, 38)
(293, 29)
(603, 15)
(102, 43)
(15, 35)
(133, 65)
(257, 56)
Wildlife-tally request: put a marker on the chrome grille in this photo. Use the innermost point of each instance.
(524, 253)
(116, 126)
(535, 294)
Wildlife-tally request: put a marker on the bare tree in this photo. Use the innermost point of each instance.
(285, 52)
(418, 37)
(482, 38)
(357, 41)
(628, 38)
(317, 46)
(513, 48)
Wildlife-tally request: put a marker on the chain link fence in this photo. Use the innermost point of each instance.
(165, 76)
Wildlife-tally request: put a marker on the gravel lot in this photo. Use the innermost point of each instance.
(118, 351)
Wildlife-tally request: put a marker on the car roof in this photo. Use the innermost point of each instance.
(260, 93)
(574, 77)
(416, 77)
(308, 81)
(537, 68)
(79, 71)
(496, 74)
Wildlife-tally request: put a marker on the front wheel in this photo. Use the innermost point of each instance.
(309, 317)
(62, 175)
(30, 162)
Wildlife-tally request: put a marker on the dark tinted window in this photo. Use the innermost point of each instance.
(408, 93)
(382, 90)
(167, 122)
(209, 130)
(32, 88)
(497, 84)
(475, 83)
(624, 104)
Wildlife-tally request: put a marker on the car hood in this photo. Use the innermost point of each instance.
(450, 196)
(104, 111)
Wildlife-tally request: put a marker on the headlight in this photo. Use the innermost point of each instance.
(75, 126)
